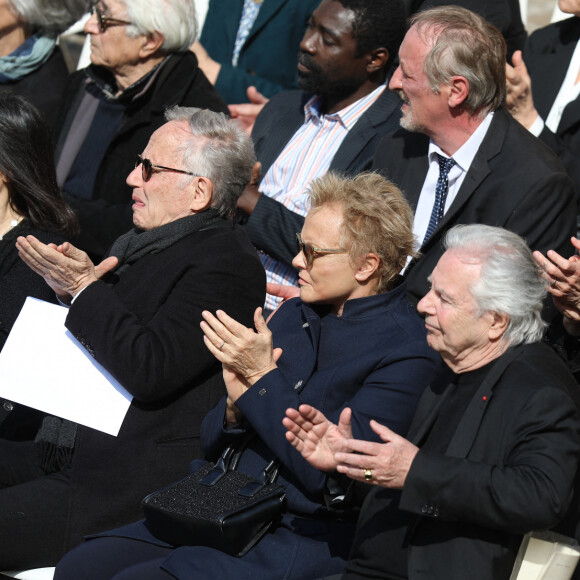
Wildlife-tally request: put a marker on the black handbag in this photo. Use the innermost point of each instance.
(217, 506)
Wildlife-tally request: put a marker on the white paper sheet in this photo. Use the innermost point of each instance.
(43, 366)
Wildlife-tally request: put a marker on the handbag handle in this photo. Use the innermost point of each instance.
(229, 461)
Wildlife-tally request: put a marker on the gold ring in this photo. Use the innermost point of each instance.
(222, 344)
(368, 474)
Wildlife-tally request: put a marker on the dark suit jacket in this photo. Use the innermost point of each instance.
(547, 56)
(108, 214)
(509, 468)
(268, 57)
(144, 329)
(514, 182)
(272, 227)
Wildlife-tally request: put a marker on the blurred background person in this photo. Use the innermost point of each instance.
(31, 63)
(543, 88)
(247, 43)
(351, 339)
(30, 204)
(141, 64)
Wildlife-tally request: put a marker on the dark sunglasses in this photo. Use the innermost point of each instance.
(310, 252)
(105, 22)
(148, 168)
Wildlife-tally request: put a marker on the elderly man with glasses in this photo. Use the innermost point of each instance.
(138, 313)
(140, 65)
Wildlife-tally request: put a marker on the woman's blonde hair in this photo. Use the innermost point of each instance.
(376, 219)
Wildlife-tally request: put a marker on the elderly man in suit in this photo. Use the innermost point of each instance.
(137, 313)
(492, 453)
(335, 122)
(460, 157)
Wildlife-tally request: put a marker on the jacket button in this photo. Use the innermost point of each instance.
(8, 406)
(424, 509)
(262, 392)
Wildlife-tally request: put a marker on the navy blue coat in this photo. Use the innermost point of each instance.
(375, 359)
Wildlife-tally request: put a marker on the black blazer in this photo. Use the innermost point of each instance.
(514, 182)
(547, 56)
(272, 227)
(509, 468)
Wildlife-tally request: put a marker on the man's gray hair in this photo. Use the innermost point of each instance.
(49, 17)
(464, 44)
(220, 150)
(175, 19)
(511, 282)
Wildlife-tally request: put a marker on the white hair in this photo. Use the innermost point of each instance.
(219, 150)
(511, 282)
(49, 17)
(175, 19)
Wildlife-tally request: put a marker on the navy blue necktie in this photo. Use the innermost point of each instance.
(441, 190)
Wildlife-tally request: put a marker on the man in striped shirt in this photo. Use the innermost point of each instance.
(333, 123)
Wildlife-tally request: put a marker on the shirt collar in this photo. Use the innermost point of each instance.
(465, 155)
(347, 116)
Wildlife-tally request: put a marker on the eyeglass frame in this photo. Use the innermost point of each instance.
(311, 253)
(147, 169)
(104, 21)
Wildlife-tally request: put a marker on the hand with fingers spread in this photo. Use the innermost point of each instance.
(563, 278)
(386, 464)
(246, 352)
(317, 438)
(66, 269)
(246, 113)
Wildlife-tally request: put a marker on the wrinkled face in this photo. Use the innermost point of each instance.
(327, 64)
(421, 106)
(331, 279)
(167, 196)
(113, 49)
(570, 6)
(454, 328)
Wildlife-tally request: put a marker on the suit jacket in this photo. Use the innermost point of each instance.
(108, 214)
(547, 55)
(329, 362)
(514, 182)
(272, 227)
(509, 468)
(143, 327)
(268, 57)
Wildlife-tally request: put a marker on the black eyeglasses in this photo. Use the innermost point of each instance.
(105, 22)
(148, 168)
(310, 252)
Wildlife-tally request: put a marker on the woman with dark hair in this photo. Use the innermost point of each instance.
(30, 203)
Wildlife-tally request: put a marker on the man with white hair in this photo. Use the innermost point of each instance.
(141, 65)
(491, 454)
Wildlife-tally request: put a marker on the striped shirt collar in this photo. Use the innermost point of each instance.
(347, 116)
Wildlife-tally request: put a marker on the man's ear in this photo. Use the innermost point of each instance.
(201, 195)
(458, 91)
(499, 324)
(152, 43)
(370, 264)
(377, 60)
